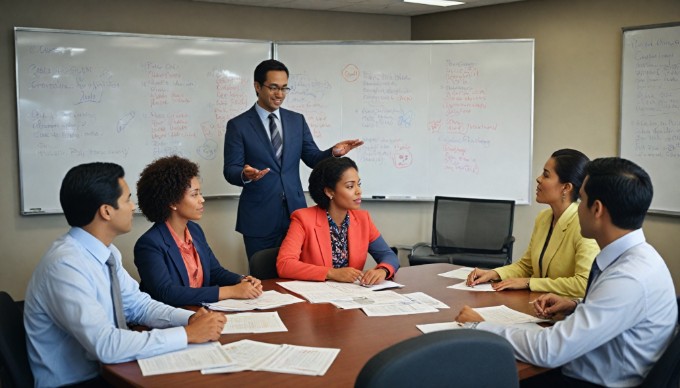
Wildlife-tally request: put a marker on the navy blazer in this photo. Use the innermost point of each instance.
(163, 273)
(246, 142)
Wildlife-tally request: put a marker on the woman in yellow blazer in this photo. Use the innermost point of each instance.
(330, 241)
(558, 258)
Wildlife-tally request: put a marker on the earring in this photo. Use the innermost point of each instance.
(331, 197)
(174, 207)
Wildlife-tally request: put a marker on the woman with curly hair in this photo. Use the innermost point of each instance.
(174, 260)
(330, 241)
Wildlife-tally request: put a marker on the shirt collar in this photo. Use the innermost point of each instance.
(92, 244)
(616, 248)
(264, 114)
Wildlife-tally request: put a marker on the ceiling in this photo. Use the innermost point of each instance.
(383, 7)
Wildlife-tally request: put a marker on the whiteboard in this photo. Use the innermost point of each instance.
(650, 109)
(124, 98)
(450, 118)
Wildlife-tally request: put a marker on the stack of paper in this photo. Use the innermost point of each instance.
(252, 355)
(268, 300)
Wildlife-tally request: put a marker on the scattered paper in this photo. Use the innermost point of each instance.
(384, 310)
(505, 315)
(369, 299)
(460, 273)
(432, 327)
(252, 355)
(268, 300)
(195, 357)
(421, 297)
(477, 288)
(382, 285)
(268, 322)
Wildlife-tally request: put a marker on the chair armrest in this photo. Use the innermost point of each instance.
(418, 245)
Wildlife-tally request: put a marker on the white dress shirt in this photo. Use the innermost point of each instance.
(624, 325)
(68, 314)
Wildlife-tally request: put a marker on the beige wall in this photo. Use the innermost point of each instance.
(577, 78)
(576, 103)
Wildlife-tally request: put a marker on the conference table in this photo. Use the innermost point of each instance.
(359, 337)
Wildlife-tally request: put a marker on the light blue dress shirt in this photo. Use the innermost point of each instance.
(623, 327)
(68, 314)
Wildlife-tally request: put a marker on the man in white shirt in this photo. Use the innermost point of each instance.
(73, 320)
(628, 317)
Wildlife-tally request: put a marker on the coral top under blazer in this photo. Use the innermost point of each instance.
(305, 253)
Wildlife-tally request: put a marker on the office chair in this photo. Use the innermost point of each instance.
(263, 264)
(666, 371)
(452, 358)
(14, 368)
(468, 232)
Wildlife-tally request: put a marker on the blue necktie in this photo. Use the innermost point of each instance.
(594, 273)
(118, 313)
(277, 142)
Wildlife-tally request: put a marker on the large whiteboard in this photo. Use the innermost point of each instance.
(125, 98)
(650, 109)
(438, 118)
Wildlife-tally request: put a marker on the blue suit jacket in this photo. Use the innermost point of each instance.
(246, 142)
(163, 273)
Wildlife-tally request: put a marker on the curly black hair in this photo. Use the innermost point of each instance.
(326, 174)
(163, 183)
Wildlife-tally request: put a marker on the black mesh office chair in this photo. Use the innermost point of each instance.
(469, 232)
(453, 358)
(666, 371)
(14, 368)
(263, 264)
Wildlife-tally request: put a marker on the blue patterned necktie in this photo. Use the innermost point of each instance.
(118, 313)
(277, 142)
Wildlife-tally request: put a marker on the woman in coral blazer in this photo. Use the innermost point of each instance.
(330, 241)
(174, 260)
(558, 258)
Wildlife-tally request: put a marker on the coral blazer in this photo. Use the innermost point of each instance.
(305, 253)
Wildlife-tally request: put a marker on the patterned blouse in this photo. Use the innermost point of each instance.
(339, 241)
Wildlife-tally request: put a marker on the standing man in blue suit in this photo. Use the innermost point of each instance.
(262, 151)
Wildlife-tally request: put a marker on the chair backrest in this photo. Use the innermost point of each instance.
(472, 225)
(263, 264)
(14, 367)
(666, 371)
(452, 358)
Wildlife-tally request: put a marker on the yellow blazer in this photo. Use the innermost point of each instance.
(567, 259)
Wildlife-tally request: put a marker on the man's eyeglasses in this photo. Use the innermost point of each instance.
(275, 88)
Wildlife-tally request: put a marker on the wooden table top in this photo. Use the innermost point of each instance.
(358, 336)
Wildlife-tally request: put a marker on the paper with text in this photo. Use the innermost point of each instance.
(268, 322)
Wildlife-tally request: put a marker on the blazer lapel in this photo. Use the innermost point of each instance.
(173, 251)
(558, 235)
(203, 257)
(323, 237)
(261, 132)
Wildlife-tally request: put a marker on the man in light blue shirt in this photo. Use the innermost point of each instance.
(69, 308)
(629, 314)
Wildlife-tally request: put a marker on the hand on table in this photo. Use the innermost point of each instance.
(205, 326)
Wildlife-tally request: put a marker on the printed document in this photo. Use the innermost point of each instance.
(252, 355)
(268, 300)
(460, 273)
(195, 357)
(268, 322)
(476, 288)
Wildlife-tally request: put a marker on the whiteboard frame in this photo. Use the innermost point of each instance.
(37, 211)
(624, 30)
(436, 42)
